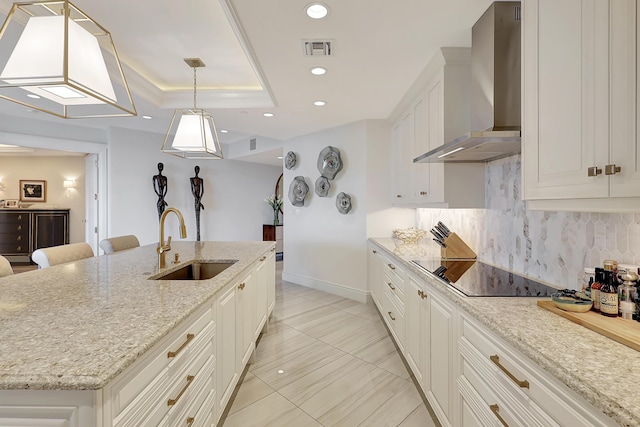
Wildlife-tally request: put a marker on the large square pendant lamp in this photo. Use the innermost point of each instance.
(55, 58)
(192, 132)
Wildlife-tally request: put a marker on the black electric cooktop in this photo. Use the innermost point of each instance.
(477, 279)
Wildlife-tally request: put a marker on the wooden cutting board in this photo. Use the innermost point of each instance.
(625, 332)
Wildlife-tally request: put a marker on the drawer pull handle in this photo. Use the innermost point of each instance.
(391, 316)
(19, 238)
(19, 228)
(391, 266)
(393, 288)
(172, 402)
(423, 193)
(611, 169)
(374, 251)
(184, 344)
(496, 411)
(263, 258)
(19, 248)
(19, 216)
(594, 171)
(422, 294)
(399, 196)
(241, 286)
(524, 383)
(190, 420)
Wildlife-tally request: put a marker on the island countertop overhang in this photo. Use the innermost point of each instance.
(76, 326)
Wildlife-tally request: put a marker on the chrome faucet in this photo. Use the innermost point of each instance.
(162, 247)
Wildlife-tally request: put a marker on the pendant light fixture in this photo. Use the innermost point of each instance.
(55, 58)
(192, 132)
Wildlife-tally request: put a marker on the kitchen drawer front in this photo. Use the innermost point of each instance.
(139, 390)
(481, 378)
(396, 288)
(14, 246)
(394, 317)
(395, 273)
(191, 386)
(545, 397)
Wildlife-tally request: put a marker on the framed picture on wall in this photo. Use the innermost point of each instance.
(33, 191)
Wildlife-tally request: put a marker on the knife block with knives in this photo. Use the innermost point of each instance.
(451, 245)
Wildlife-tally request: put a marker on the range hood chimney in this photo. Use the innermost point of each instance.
(495, 91)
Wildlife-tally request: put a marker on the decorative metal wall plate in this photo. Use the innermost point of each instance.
(290, 160)
(343, 203)
(322, 186)
(298, 191)
(329, 162)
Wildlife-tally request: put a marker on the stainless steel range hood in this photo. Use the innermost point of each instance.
(495, 91)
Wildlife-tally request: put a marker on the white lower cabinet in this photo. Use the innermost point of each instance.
(525, 395)
(186, 379)
(469, 376)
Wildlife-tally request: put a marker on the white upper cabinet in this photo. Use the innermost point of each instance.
(579, 105)
(435, 110)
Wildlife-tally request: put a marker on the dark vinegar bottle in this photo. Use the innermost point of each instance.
(609, 295)
(595, 289)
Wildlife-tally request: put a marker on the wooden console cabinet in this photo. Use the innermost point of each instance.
(273, 233)
(22, 231)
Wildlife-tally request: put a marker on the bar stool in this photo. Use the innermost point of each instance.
(5, 267)
(120, 243)
(47, 257)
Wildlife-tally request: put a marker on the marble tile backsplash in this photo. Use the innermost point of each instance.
(551, 246)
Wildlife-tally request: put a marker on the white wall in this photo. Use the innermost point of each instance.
(324, 249)
(233, 200)
(54, 170)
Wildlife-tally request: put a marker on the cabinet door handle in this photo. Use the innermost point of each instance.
(172, 402)
(521, 383)
(393, 288)
(496, 411)
(611, 169)
(273, 249)
(423, 193)
(399, 196)
(263, 258)
(391, 266)
(241, 286)
(391, 316)
(594, 171)
(184, 344)
(422, 294)
(374, 251)
(190, 420)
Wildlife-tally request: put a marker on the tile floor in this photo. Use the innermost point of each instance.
(325, 361)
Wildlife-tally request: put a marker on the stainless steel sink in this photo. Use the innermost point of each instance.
(198, 270)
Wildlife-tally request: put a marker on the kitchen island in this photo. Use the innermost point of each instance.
(596, 374)
(78, 326)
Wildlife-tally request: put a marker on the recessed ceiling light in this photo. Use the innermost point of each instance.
(268, 114)
(317, 10)
(318, 71)
(319, 103)
(33, 95)
(147, 117)
(223, 131)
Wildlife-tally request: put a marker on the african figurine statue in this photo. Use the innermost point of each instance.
(197, 188)
(160, 187)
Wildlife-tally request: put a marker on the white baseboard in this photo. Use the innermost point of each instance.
(332, 288)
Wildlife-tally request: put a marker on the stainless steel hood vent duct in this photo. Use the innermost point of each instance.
(495, 91)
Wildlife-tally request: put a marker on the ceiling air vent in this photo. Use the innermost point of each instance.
(317, 47)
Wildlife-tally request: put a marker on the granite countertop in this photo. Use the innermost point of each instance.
(76, 326)
(601, 370)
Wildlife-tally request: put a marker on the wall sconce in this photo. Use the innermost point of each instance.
(69, 184)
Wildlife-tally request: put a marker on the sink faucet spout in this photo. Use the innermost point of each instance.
(162, 247)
